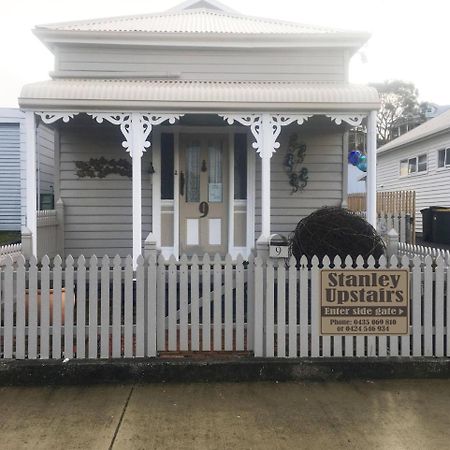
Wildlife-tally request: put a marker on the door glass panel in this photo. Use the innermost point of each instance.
(193, 172)
(215, 182)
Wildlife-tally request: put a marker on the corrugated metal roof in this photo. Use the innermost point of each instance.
(433, 126)
(192, 21)
(197, 94)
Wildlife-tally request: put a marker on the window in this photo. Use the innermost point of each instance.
(422, 163)
(404, 167)
(444, 157)
(417, 164)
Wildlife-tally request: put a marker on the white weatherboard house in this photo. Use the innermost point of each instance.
(12, 167)
(419, 160)
(191, 124)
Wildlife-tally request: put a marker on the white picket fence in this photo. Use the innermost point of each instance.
(105, 309)
(12, 250)
(422, 251)
(292, 323)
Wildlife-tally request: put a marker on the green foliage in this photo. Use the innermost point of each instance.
(399, 102)
(9, 237)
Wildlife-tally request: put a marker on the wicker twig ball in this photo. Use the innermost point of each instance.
(335, 231)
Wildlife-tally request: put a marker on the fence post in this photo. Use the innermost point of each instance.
(151, 248)
(27, 245)
(260, 292)
(59, 207)
(262, 248)
(391, 243)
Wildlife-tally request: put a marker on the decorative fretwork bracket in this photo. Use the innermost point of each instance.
(266, 127)
(135, 127)
(276, 122)
(51, 117)
(254, 121)
(354, 120)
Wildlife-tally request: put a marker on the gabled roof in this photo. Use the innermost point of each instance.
(427, 129)
(198, 22)
(191, 21)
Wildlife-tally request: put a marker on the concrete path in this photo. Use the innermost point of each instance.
(400, 414)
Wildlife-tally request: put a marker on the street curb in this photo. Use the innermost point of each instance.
(88, 372)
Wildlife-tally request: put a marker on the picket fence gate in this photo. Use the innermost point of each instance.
(109, 309)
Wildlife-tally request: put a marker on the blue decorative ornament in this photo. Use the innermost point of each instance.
(362, 163)
(353, 157)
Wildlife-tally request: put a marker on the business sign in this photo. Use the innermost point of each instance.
(364, 302)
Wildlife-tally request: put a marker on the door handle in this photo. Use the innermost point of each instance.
(181, 183)
(204, 209)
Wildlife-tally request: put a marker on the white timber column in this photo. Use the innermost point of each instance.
(355, 120)
(372, 168)
(136, 128)
(266, 129)
(266, 156)
(31, 182)
(136, 148)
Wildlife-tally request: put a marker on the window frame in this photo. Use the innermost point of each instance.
(414, 159)
(446, 151)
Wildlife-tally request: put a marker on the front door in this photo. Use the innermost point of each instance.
(203, 193)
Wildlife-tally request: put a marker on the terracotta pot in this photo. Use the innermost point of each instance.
(63, 302)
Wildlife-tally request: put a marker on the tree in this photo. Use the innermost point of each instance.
(399, 103)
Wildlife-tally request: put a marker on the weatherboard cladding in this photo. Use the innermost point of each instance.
(323, 159)
(432, 187)
(10, 188)
(98, 215)
(98, 211)
(220, 64)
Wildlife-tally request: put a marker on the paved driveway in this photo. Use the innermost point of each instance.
(410, 414)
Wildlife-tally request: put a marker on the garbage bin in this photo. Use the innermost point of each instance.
(436, 224)
(427, 224)
(441, 225)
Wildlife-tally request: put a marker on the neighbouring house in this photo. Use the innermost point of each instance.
(356, 180)
(420, 161)
(201, 127)
(12, 168)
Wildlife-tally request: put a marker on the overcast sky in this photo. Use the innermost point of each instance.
(410, 38)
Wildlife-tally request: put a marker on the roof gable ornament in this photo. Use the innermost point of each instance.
(202, 4)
